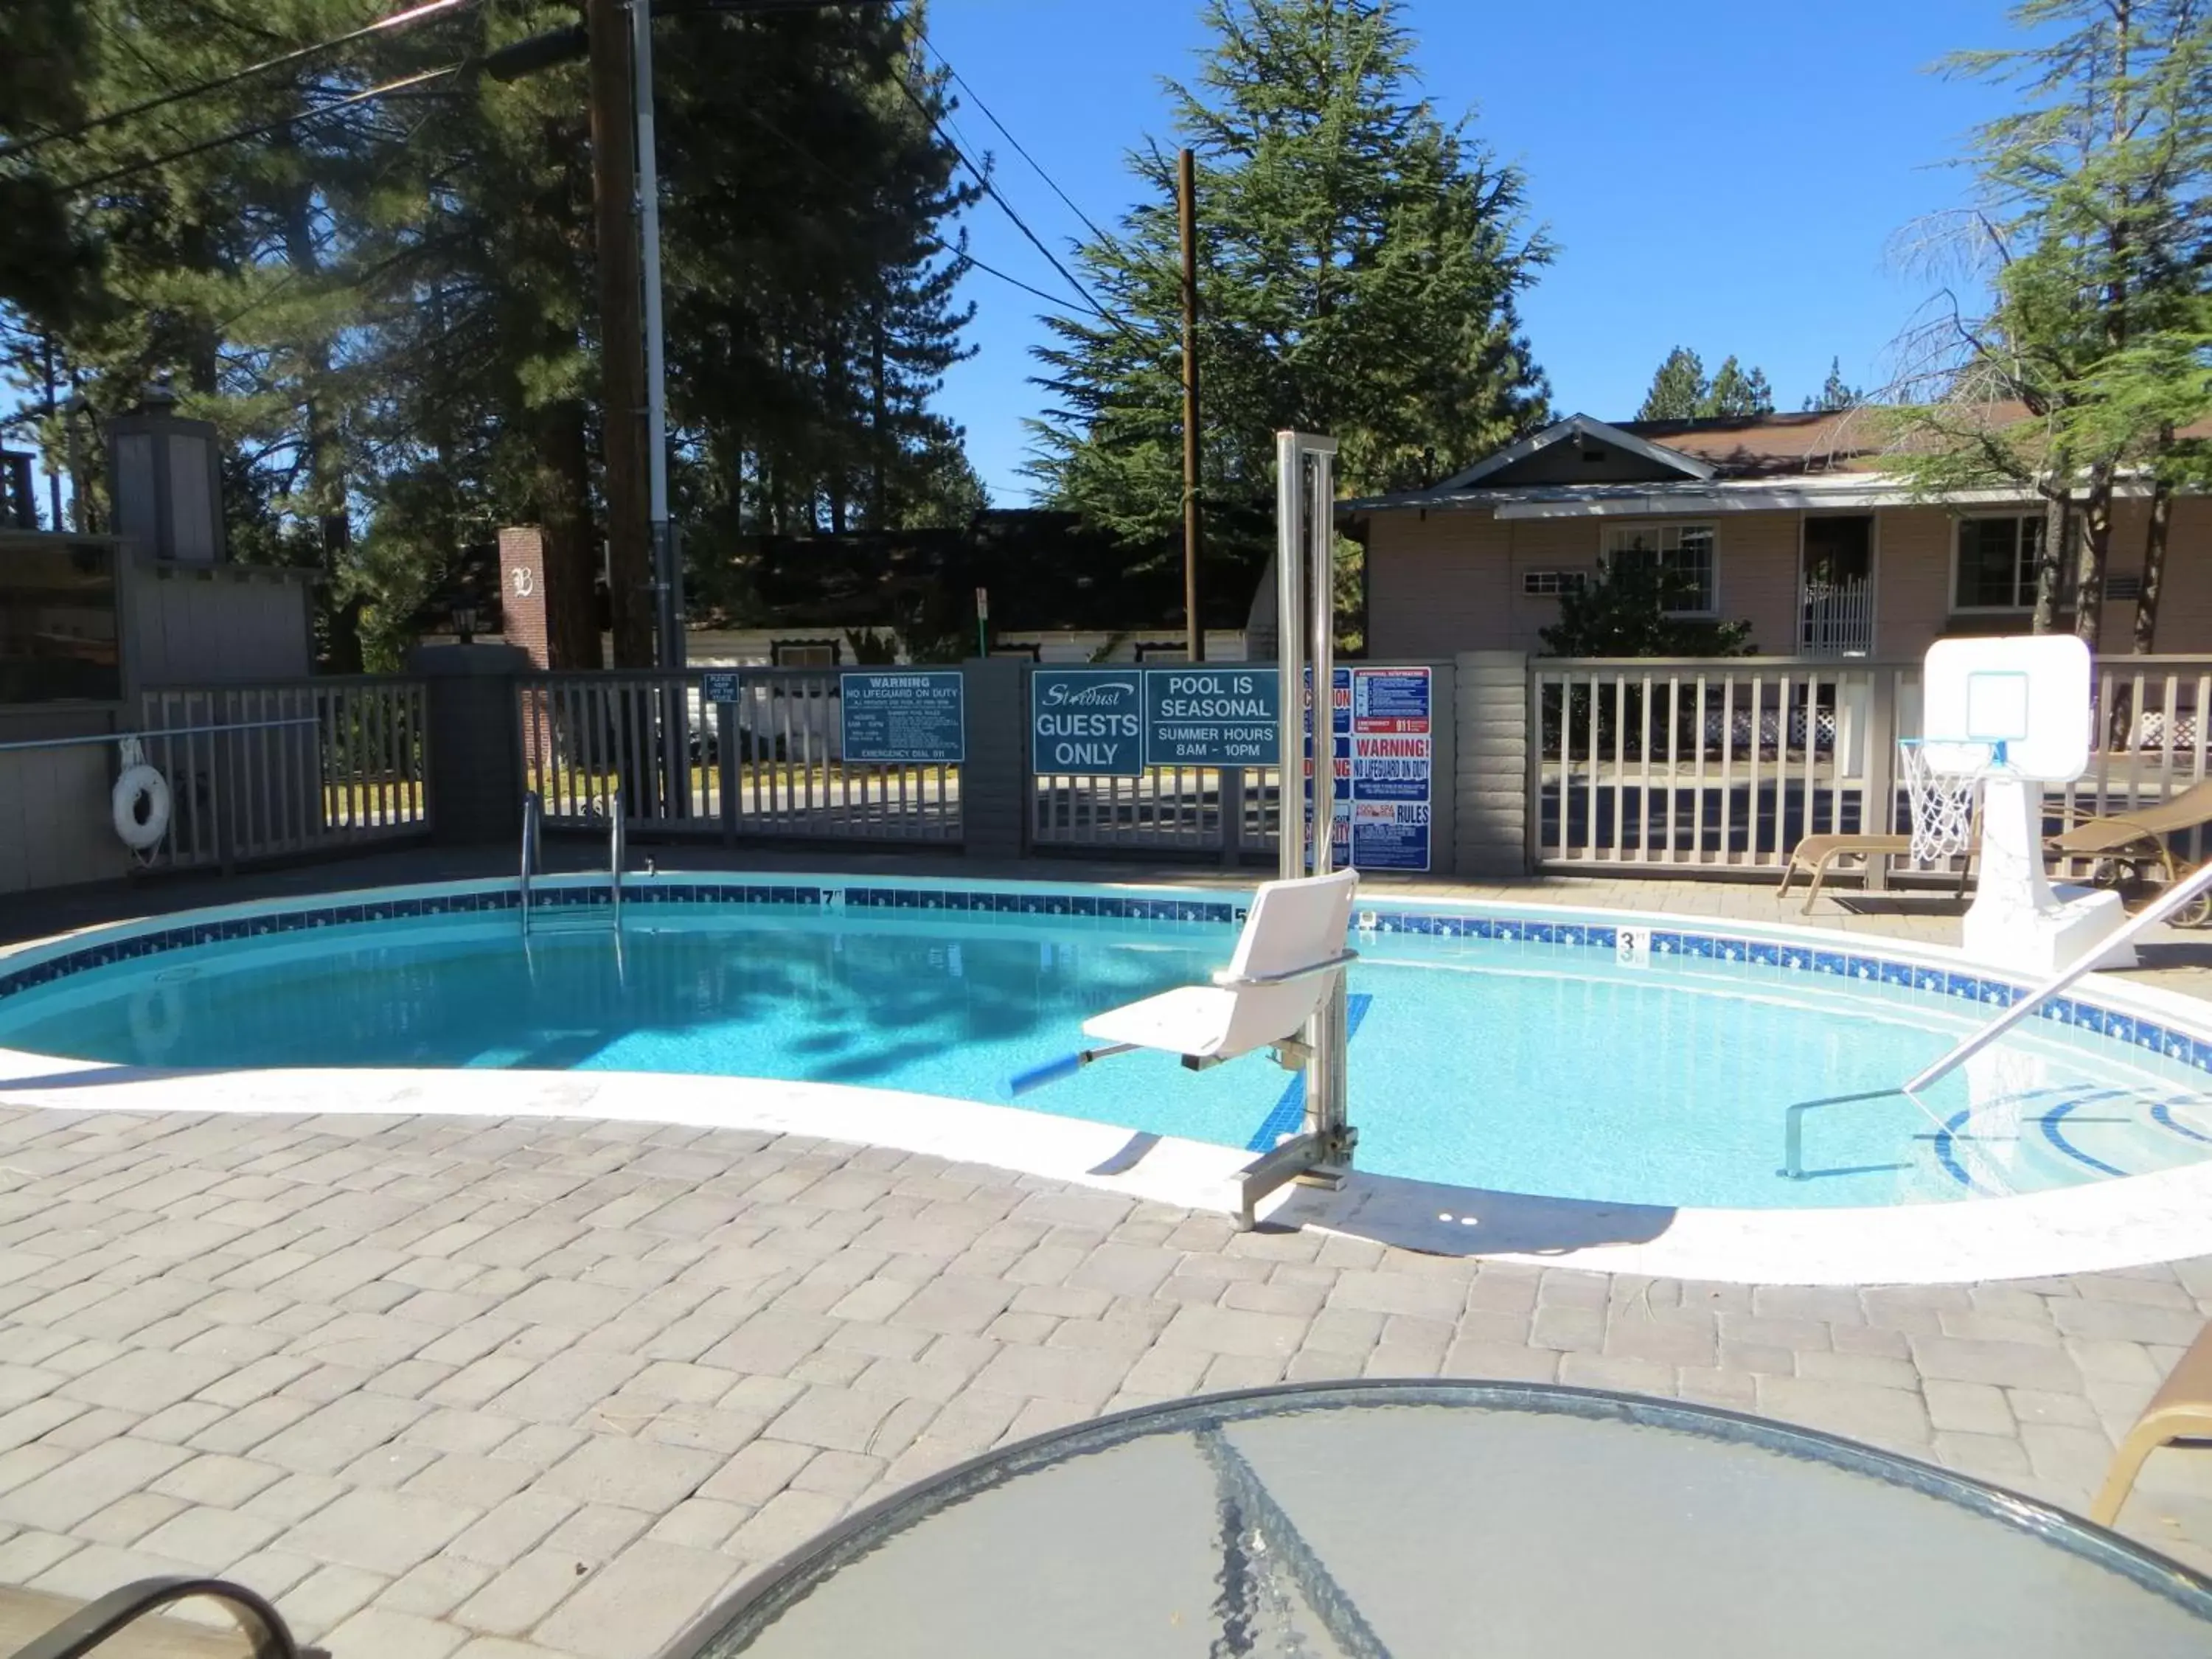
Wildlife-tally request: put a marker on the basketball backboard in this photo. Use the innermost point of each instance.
(2020, 701)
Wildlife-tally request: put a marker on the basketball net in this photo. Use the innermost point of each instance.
(1943, 801)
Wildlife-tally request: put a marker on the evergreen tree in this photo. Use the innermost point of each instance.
(1678, 389)
(1360, 261)
(1736, 391)
(1680, 392)
(1836, 394)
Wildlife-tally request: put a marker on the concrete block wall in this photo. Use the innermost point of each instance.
(994, 781)
(1490, 781)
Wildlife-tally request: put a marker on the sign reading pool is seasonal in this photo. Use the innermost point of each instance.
(917, 716)
(719, 685)
(1384, 759)
(1211, 716)
(1087, 720)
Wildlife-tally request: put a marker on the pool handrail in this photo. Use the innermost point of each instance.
(2172, 899)
(533, 812)
(618, 854)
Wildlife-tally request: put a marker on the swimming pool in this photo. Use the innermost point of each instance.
(1551, 1054)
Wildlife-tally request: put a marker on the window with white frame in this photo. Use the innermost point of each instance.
(1550, 584)
(1995, 570)
(1683, 552)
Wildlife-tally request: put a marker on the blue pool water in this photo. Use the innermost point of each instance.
(1529, 1067)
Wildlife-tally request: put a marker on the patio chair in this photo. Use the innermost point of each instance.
(2131, 842)
(2180, 1410)
(1817, 852)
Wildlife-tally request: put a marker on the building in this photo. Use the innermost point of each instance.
(1785, 521)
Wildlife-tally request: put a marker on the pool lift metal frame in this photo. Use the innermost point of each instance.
(1321, 1153)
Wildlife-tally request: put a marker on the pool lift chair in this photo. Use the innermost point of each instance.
(1277, 986)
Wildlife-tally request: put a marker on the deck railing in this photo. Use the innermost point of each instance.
(261, 771)
(1198, 810)
(770, 763)
(1659, 764)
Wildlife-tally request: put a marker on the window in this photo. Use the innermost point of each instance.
(1161, 650)
(1995, 566)
(1550, 584)
(1682, 551)
(804, 654)
(57, 638)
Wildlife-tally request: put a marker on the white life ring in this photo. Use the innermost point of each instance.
(141, 807)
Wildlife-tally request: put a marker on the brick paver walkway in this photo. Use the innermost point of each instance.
(503, 1388)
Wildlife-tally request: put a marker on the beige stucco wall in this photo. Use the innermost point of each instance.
(1453, 581)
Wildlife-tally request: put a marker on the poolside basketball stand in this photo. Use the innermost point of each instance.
(1283, 991)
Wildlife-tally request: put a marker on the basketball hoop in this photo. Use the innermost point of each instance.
(1943, 779)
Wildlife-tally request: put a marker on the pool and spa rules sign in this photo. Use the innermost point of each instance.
(1382, 761)
(915, 716)
(1087, 720)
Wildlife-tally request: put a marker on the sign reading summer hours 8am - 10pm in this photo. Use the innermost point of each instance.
(1383, 764)
(1212, 716)
(915, 716)
(1086, 721)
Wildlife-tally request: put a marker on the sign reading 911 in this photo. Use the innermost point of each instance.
(1087, 721)
(913, 716)
(1212, 716)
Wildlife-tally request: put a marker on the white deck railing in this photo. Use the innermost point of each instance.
(1659, 764)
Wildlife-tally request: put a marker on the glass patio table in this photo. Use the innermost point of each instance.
(1360, 1520)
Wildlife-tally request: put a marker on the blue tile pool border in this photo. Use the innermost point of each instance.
(2191, 1048)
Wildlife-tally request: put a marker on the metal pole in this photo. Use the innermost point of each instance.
(1325, 1091)
(1290, 651)
(667, 591)
(1187, 212)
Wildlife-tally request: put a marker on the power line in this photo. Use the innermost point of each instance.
(1036, 166)
(398, 20)
(235, 134)
(960, 255)
(992, 190)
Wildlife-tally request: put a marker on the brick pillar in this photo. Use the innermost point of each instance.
(522, 591)
(522, 623)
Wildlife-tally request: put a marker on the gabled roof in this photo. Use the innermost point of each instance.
(1580, 428)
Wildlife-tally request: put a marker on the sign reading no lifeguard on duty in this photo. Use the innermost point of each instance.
(913, 716)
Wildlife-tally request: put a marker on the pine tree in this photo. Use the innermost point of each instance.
(1360, 261)
(1737, 392)
(1836, 394)
(1678, 389)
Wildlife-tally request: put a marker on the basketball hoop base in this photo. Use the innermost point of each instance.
(2018, 920)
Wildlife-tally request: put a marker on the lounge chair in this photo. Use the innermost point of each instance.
(2135, 842)
(2180, 1410)
(1816, 853)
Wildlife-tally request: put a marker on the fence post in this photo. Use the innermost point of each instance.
(473, 740)
(1880, 812)
(726, 764)
(1231, 788)
(1491, 764)
(995, 779)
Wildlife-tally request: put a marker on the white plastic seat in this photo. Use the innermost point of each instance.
(1289, 954)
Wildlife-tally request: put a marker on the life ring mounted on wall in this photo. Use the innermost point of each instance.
(141, 802)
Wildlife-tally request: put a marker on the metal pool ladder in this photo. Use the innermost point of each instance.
(617, 854)
(533, 813)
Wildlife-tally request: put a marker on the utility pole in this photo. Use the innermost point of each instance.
(622, 347)
(1187, 212)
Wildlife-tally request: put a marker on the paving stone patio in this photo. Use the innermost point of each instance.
(504, 1390)
(510, 1390)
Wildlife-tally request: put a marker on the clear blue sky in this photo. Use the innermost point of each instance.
(1723, 174)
